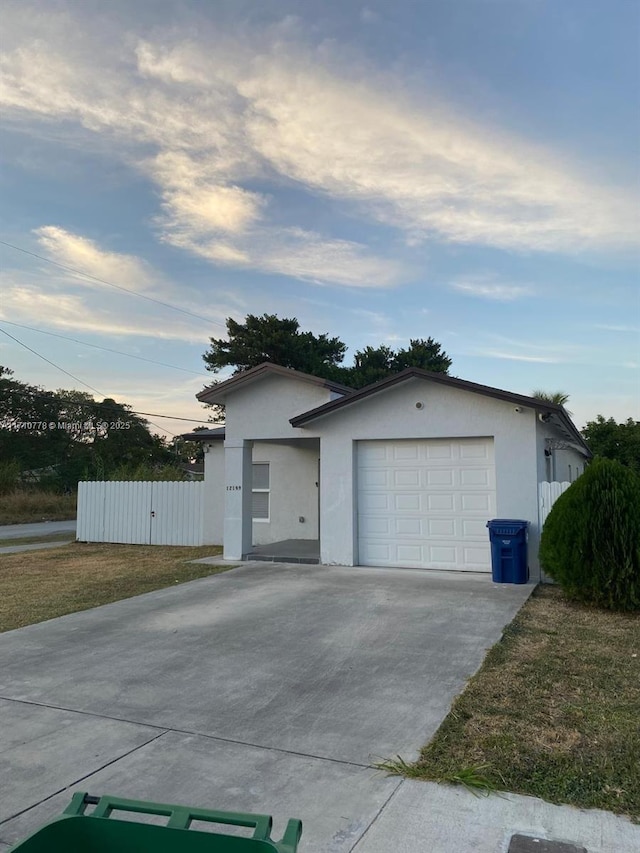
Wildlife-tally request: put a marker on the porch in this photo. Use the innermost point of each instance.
(287, 551)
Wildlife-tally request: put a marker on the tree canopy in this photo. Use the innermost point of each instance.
(59, 437)
(560, 398)
(612, 440)
(269, 338)
(272, 339)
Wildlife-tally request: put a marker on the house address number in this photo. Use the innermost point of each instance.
(233, 488)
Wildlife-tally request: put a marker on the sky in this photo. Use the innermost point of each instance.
(467, 170)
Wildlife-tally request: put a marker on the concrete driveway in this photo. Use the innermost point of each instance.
(270, 688)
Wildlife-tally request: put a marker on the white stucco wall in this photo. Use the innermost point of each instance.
(566, 463)
(447, 413)
(262, 409)
(294, 494)
(213, 493)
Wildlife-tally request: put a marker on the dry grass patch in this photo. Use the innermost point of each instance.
(553, 712)
(39, 585)
(24, 507)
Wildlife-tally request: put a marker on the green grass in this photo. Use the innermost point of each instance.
(554, 712)
(24, 506)
(39, 585)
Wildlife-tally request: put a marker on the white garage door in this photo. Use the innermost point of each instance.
(425, 503)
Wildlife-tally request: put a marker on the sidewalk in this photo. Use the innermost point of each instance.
(40, 528)
(445, 819)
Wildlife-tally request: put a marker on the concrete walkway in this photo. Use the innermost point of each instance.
(35, 546)
(40, 528)
(270, 688)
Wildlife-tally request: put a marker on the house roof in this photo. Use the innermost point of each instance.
(216, 434)
(216, 393)
(554, 411)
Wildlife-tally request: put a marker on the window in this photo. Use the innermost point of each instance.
(260, 492)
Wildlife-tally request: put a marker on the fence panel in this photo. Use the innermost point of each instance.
(548, 494)
(141, 513)
(178, 510)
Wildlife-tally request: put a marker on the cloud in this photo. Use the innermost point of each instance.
(74, 250)
(618, 328)
(50, 307)
(515, 356)
(485, 288)
(221, 121)
(297, 253)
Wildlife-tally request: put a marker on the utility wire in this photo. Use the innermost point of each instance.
(111, 284)
(81, 381)
(106, 349)
(131, 411)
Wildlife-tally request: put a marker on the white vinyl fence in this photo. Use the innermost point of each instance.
(141, 513)
(548, 494)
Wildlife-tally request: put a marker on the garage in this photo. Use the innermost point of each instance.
(425, 503)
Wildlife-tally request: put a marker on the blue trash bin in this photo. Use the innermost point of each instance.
(508, 537)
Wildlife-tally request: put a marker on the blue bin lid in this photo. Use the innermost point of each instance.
(499, 522)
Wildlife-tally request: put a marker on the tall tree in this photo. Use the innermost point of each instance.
(619, 441)
(373, 364)
(269, 338)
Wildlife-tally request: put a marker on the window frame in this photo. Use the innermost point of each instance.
(261, 491)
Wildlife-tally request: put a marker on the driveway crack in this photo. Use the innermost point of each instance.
(378, 813)
(82, 778)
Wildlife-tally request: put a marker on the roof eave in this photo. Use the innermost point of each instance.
(218, 393)
(416, 373)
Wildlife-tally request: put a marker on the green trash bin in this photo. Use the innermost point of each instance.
(98, 832)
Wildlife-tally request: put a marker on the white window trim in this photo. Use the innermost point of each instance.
(263, 491)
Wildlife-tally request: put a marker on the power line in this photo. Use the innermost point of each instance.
(81, 381)
(131, 411)
(111, 284)
(57, 367)
(106, 349)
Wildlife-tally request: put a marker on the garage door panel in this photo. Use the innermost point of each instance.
(375, 501)
(409, 553)
(377, 554)
(376, 526)
(476, 502)
(477, 556)
(474, 528)
(404, 452)
(406, 502)
(442, 450)
(441, 527)
(474, 477)
(406, 477)
(440, 502)
(441, 555)
(376, 478)
(474, 450)
(425, 503)
(409, 526)
(439, 477)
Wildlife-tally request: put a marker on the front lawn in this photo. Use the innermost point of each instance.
(554, 711)
(39, 585)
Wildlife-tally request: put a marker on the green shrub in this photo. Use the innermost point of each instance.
(147, 472)
(590, 542)
(9, 476)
